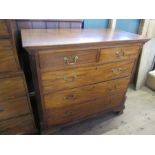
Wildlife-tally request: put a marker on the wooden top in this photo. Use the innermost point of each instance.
(55, 37)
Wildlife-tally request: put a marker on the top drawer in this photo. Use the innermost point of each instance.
(3, 28)
(119, 54)
(67, 59)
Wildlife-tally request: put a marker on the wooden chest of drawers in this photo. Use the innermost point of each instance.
(15, 109)
(79, 73)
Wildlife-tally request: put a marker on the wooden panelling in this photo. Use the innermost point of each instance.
(14, 107)
(70, 78)
(67, 59)
(20, 125)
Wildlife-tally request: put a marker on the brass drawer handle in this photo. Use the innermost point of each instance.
(69, 97)
(71, 60)
(117, 70)
(120, 54)
(70, 79)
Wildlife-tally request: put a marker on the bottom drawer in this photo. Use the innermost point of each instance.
(19, 125)
(63, 115)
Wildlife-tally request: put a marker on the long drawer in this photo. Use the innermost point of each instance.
(119, 54)
(13, 108)
(68, 114)
(7, 61)
(82, 94)
(12, 87)
(20, 125)
(70, 78)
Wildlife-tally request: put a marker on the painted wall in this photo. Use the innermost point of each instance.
(130, 25)
(96, 23)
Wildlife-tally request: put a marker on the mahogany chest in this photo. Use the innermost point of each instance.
(81, 72)
(15, 109)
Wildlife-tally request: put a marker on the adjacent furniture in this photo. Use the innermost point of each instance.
(15, 109)
(79, 73)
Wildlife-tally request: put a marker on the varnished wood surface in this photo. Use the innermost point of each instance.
(77, 77)
(11, 88)
(19, 125)
(14, 108)
(48, 37)
(8, 62)
(14, 99)
(82, 94)
(49, 60)
(4, 30)
(78, 111)
(68, 90)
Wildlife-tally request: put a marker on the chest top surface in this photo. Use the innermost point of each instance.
(57, 37)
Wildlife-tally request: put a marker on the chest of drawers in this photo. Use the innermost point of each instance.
(15, 109)
(80, 73)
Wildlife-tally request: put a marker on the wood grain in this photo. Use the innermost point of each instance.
(48, 60)
(77, 77)
(8, 62)
(59, 37)
(14, 107)
(85, 93)
(75, 112)
(20, 125)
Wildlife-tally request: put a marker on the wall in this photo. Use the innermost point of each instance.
(96, 23)
(130, 25)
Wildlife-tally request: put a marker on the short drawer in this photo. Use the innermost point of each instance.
(5, 44)
(14, 108)
(7, 61)
(20, 125)
(68, 59)
(64, 115)
(12, 87)
(118, 54)
(71, 78)
(83, 94)
(3, 28)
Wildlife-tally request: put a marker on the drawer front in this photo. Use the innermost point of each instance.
(68, 114)
(5, 44)
(71, 78)
(118, 54)
(3, 28)
(86, 93)
(12, 87)
(19, 125)
(7, 61)
(14, 108)
(67, 59)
